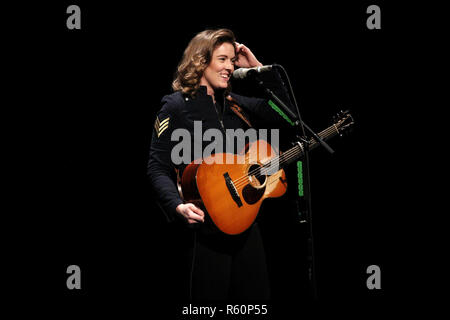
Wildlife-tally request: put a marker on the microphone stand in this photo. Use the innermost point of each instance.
(300, 125)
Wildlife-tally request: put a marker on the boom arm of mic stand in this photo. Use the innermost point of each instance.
(293, 116)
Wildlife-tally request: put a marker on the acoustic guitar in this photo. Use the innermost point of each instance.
(232, 191)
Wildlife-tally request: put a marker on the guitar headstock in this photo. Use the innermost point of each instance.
(343, 121)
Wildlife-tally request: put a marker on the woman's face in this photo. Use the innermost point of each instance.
(219, 70)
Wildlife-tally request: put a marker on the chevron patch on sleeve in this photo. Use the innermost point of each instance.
(160, 126)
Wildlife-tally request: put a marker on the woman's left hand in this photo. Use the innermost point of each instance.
(245, 57)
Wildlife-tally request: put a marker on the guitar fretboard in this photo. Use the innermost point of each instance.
(296, 152)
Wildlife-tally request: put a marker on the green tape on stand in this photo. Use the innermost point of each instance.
(280, 112)
(300, 178)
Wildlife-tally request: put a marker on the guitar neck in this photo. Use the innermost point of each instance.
(298, 151)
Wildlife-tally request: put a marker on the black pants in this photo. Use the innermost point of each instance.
(229, 268)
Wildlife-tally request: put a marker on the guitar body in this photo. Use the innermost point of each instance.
(232, 187)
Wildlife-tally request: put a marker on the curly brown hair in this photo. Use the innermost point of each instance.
(196, 58)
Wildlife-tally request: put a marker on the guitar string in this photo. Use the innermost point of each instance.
(286, 157)
(294, 152)
(244, 177)
(242, 181)
(324, 133)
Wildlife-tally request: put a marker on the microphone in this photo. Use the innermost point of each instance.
(243, 73)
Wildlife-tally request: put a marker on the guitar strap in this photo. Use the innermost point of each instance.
(238, 110)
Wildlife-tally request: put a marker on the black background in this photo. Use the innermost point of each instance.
(82, 109)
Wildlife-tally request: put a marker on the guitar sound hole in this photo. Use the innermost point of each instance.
(257, 180)
(253, 191)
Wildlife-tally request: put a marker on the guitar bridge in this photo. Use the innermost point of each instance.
(232, 189)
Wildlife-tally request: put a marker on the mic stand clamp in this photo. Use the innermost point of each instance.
(304, 141)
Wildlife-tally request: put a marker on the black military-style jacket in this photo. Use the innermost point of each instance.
(180, 111)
